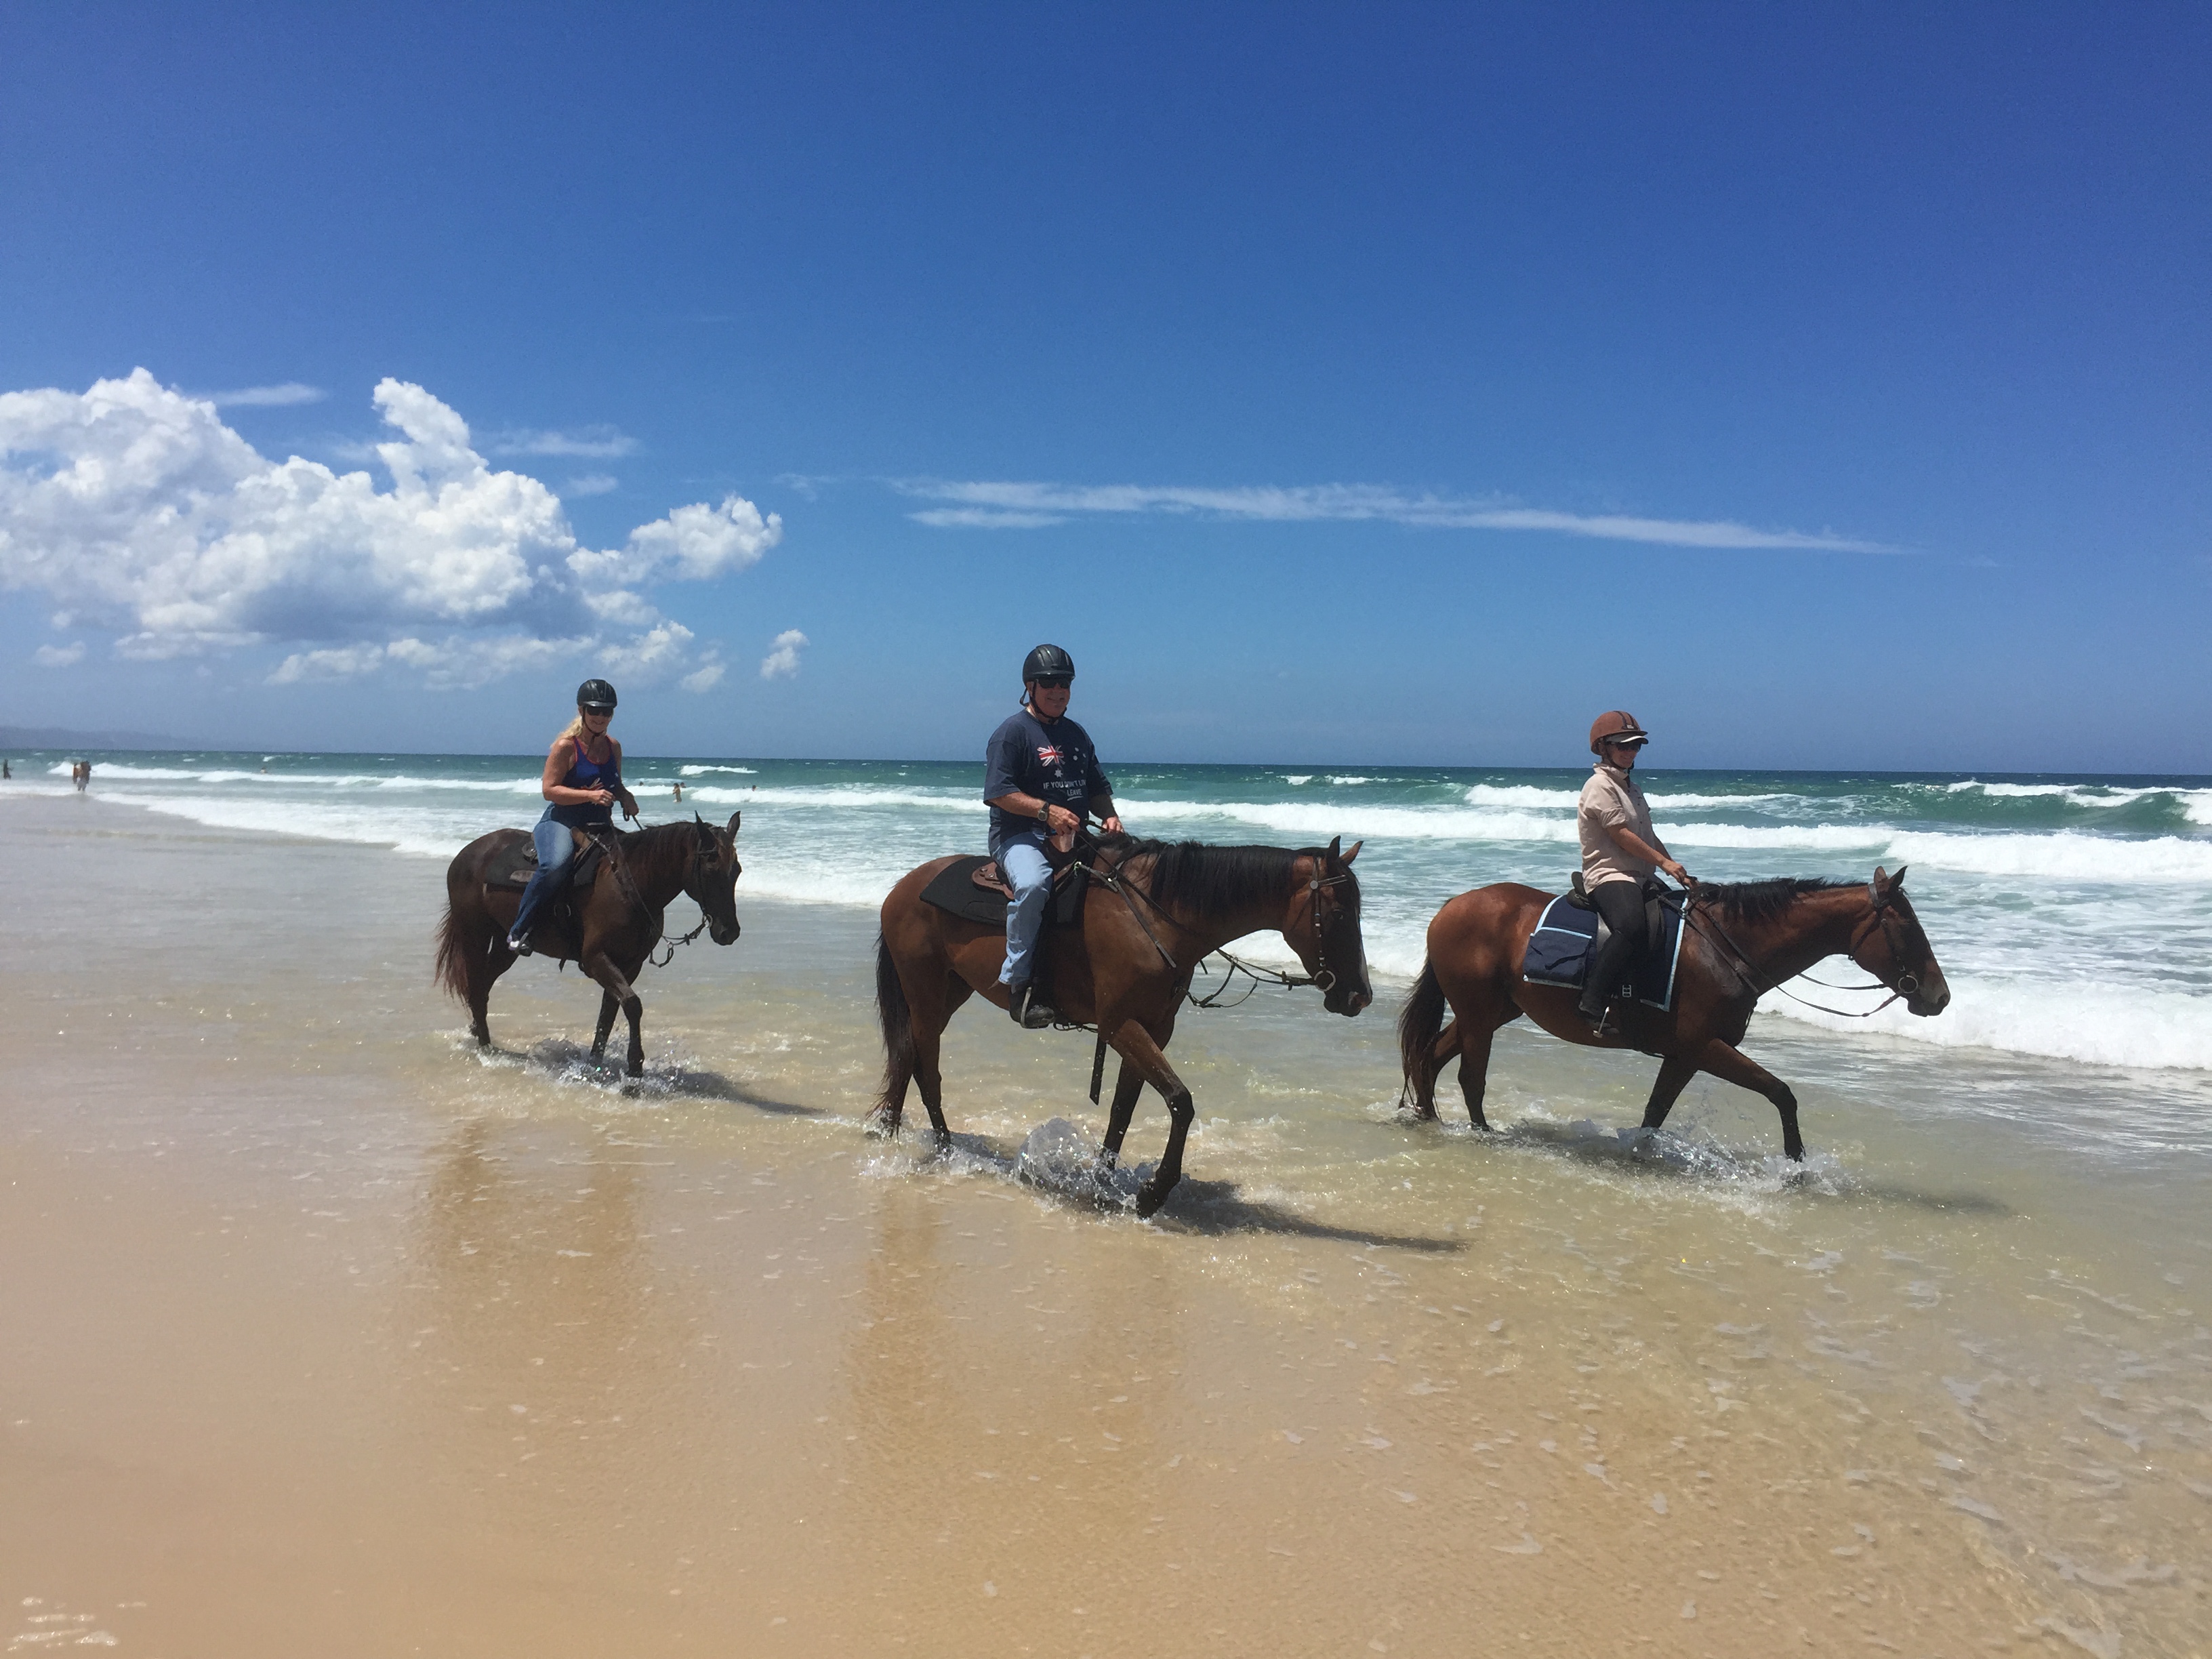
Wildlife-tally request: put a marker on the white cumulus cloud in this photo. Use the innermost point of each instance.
(138, 510)
(58, 656)
(782, 660)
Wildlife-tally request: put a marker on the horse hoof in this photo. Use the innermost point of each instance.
(880, 1125)
(942, 1139)
(1150, 1198)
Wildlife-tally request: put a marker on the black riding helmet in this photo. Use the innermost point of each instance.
(1048, 662)
(595, 694)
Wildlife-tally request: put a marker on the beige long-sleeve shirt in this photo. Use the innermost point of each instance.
(1611, 800)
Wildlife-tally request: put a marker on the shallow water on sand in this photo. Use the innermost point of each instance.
(326, 1334)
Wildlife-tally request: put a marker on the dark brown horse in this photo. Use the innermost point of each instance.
(620, 920)
(1739, 941)
(1126, 971)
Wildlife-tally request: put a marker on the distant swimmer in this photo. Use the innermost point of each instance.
(582, 784)
(6, 771)
(1621, 850)
(679, 791)
(1041, 773)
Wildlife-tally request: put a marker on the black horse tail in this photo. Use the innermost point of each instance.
(452, 968)
(898, 1023)
(1419, 1022)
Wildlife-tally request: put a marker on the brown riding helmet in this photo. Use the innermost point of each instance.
(1615, 723)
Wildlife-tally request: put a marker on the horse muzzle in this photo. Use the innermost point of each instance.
(1926, 997)
(721, 935)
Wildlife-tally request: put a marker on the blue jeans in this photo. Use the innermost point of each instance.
(555, 846)
(1022, 862)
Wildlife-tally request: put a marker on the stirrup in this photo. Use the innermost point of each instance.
(1028, 1012)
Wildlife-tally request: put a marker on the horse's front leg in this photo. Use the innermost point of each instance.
(1674, 1074)
(1729, 1066)
(1139, 1050)
(607, 1006)
(601, 966)
(1128, 1083)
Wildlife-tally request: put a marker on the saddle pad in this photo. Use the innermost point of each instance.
(513, 864)
(954, 890)
(1559, 948)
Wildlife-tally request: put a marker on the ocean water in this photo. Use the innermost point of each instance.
(2073, 915)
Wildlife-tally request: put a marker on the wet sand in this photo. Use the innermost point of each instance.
(323, 1334)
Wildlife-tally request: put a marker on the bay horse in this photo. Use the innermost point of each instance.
(1157, 908)
(1737, 942)
(610, 934)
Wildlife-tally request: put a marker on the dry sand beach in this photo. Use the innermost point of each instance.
(324, 1335)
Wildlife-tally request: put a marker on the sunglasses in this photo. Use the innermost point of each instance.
(1054, 683)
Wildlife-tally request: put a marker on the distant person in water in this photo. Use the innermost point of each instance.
(1621, 850)
(679, 792)
(1041, 775)
(582, 785)
(6, 771)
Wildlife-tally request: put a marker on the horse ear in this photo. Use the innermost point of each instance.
(1881, 878)
(1354, 853)
(735, 817)
(1897, 881)
(1336, 848)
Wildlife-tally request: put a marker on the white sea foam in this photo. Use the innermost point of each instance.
(2097, 1026)
(702, 771)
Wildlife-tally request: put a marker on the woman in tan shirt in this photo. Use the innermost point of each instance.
(1621, 850)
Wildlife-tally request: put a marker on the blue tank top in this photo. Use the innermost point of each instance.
(584, 773)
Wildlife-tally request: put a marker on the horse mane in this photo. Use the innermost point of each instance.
(1211, 881)
(1756, 901)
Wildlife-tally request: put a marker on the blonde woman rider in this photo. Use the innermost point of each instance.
(582, 785)
(1621, 850)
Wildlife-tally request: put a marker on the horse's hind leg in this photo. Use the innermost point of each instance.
(1674, 1074)
(927, 1033)
(1422, 1085)
(1474, 1067)
(1725, 1063)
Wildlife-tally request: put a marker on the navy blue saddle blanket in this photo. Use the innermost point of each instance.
(1559, 951)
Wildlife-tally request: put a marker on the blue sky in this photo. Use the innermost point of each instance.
(1829, 385)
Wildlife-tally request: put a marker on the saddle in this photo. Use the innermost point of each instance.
(513, 864)
(1571, 929)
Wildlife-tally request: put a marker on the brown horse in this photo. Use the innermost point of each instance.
(610, 934)
(1143, 933)
(1738, 941)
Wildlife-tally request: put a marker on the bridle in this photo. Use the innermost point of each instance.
(692, 874)
(1877, 919)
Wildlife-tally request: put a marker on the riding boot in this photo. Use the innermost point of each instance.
(1030, 1013)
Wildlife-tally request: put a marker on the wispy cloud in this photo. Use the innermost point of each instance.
(985, 518)
(585, 443)
(1017, 506)
(58, 656)
(268, 396)
(591, 484)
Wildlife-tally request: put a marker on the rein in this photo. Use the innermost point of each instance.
(1744, 968)
(610, 847)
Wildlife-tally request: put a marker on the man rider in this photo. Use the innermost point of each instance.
(1620, 852)
(1041, 775)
